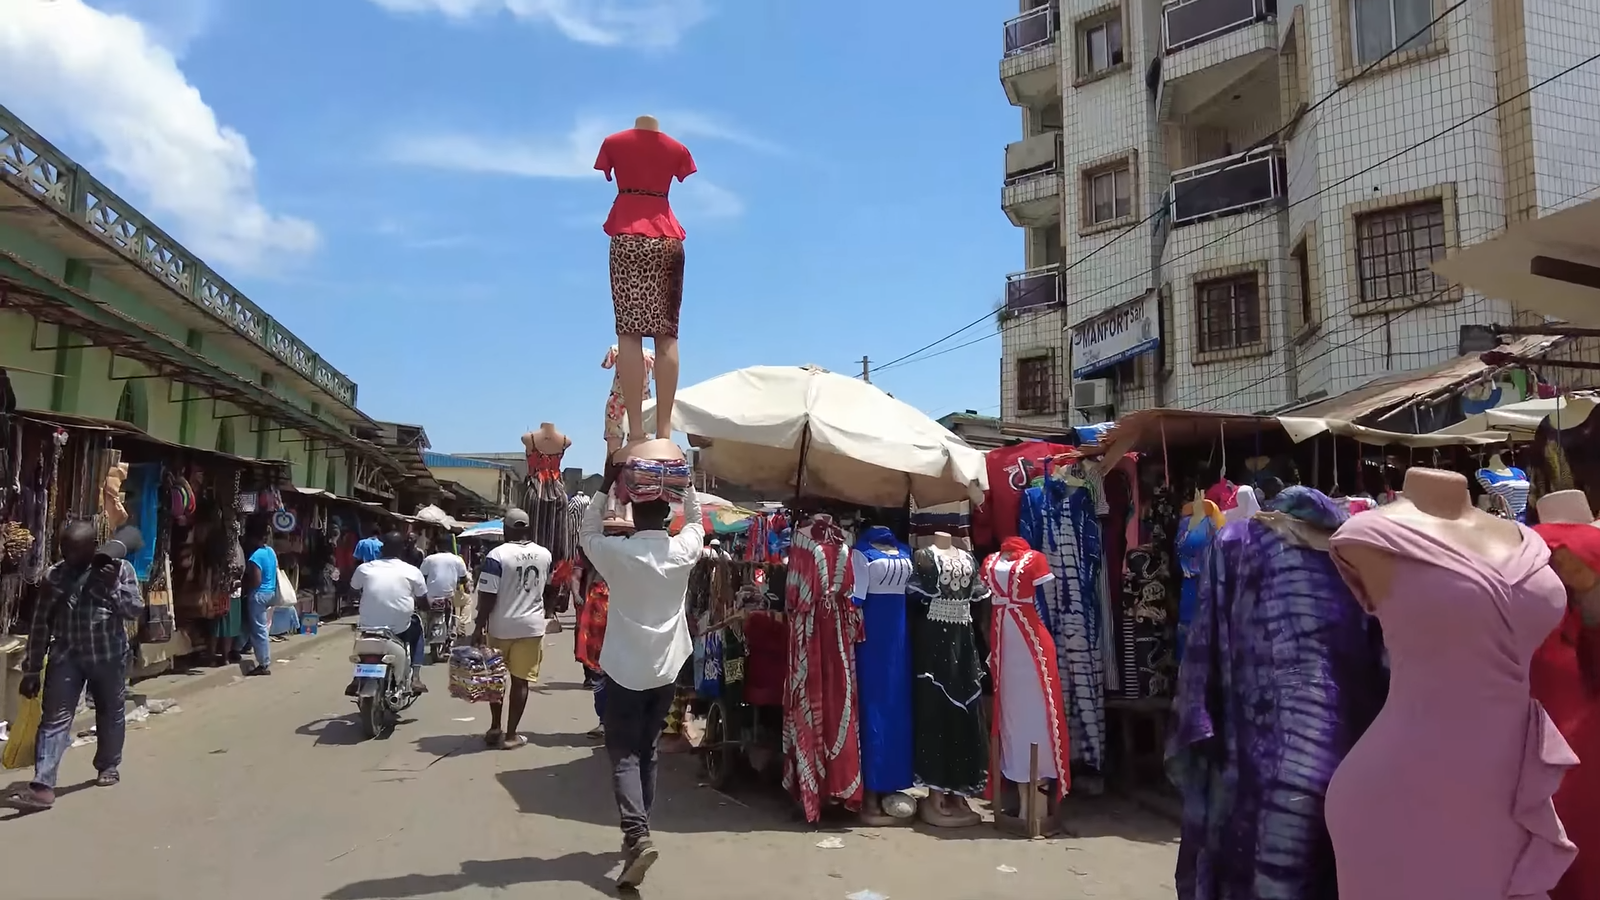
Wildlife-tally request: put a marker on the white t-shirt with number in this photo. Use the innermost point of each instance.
(517, 574)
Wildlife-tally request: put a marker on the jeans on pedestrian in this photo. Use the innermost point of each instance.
(64, 681)
(633, 721)
(258, 626)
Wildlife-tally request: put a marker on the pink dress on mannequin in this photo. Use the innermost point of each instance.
(1448, 795)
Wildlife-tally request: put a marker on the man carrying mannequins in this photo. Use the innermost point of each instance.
(646, 643)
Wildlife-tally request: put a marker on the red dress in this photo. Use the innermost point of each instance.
(1565, 674)
(644, 162)
(592, 625)
(821, 737)
(1010, 470)
(1013, 603)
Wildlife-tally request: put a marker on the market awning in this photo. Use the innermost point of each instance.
(1384, 394)
(120, 429)
(1149, 430)
(1549, 265)
(1518, 420)
(1301, 429)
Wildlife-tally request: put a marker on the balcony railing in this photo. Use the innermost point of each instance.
(1189, 22)
(1034, 28)
(1228, 185)
(34, 166)
(1038, 155)
(1033, 288)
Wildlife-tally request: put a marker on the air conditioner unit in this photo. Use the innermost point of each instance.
(1095, 393)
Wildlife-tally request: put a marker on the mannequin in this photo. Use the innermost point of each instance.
(647, 263)
(1028, 706)
(616, 404)
(1566, 679)
(545, 497)
(951, 748)
(1248, 505)
(1418, 806)
(881, 568)
(1507, 484)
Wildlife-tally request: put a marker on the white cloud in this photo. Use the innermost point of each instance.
(572, 155)
(603, 23)
(104, 77)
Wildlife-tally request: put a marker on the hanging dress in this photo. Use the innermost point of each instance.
(821, 743)
(881, 571)
(1146, 638)
(545, 501)
(951, 741)
(1194, 539)
(1069, 537)
(1028, 706)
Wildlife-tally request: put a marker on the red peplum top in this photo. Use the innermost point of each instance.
(645, 162)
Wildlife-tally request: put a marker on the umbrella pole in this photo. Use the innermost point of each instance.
(800, 472)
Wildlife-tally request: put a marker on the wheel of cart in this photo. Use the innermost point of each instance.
(720, 749)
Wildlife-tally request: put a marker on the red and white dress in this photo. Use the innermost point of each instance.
(1028, 705)
(821, 729)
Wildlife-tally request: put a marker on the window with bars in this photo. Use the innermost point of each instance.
(1395, 248)
(1100, 44)
(1229, 313)
(1110, 194)
(1035, 385)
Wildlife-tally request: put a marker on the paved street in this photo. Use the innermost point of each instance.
(264, 790)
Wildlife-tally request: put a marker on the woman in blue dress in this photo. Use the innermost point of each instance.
(882, 568)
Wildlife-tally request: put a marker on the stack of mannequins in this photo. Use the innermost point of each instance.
(1396, 703)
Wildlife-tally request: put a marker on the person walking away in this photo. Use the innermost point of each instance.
(260, 591)
(80, 625)
(413, 553)
(646, 644)
(446, 575)
(511, 619)
(389, 590)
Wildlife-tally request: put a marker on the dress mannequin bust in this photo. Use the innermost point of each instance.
(1436, 502)
(547, 440)
(646, 264)
(1565, 508)
(942, 809)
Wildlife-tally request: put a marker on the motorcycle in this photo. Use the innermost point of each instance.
(439, 630)
(383, 680)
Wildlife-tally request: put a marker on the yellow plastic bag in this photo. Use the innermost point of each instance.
(24, 733)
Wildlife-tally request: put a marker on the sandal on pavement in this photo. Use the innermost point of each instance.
(108, 778)
(513, 741)
(26, 800)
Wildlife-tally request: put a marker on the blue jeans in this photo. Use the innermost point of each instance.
(257, 625)
(64, 681)
(413, 637)
(599, 688)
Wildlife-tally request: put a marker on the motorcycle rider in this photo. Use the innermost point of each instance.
(390, 590)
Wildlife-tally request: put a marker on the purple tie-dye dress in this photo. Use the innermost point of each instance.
(1282, 672)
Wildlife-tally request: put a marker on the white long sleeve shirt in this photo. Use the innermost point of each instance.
(647, 626)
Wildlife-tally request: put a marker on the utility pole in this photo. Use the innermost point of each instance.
(866, 370)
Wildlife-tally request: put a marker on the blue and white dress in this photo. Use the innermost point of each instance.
(882, 570)
(1510, 490)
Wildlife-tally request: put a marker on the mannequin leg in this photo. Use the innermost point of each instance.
(666, 384)
(630, 371)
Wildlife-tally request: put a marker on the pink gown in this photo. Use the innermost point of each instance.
(1448, 794)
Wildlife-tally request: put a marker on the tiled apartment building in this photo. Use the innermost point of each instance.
(1233, 204)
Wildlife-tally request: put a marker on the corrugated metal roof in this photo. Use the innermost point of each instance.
(449, 461)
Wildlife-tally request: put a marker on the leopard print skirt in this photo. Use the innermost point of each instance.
(646, 284)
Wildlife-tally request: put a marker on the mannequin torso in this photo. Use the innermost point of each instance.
(546, 440)
(1436, 503)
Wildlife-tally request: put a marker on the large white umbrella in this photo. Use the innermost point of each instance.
(764, 426)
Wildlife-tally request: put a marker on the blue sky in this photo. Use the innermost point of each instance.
(407, 184)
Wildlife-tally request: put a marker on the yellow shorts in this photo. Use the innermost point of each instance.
(523, 656)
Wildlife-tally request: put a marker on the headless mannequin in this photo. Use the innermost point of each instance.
(547, 440)
(872, 812)
(1498, 465)
(1247, 506)
(1436, 502)
(942, 809)
(630, 368)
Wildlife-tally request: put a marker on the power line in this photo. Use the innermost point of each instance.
(1161, 208)
(1340, 183)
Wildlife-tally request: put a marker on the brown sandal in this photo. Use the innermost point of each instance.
(25, 800)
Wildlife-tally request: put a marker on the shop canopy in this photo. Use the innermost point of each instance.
(805, 429)
(492, 529)
(1549, 265)
(1519, 420)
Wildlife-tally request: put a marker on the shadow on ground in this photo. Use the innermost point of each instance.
(496, 874)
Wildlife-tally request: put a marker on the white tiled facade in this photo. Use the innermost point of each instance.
(1228, 76)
